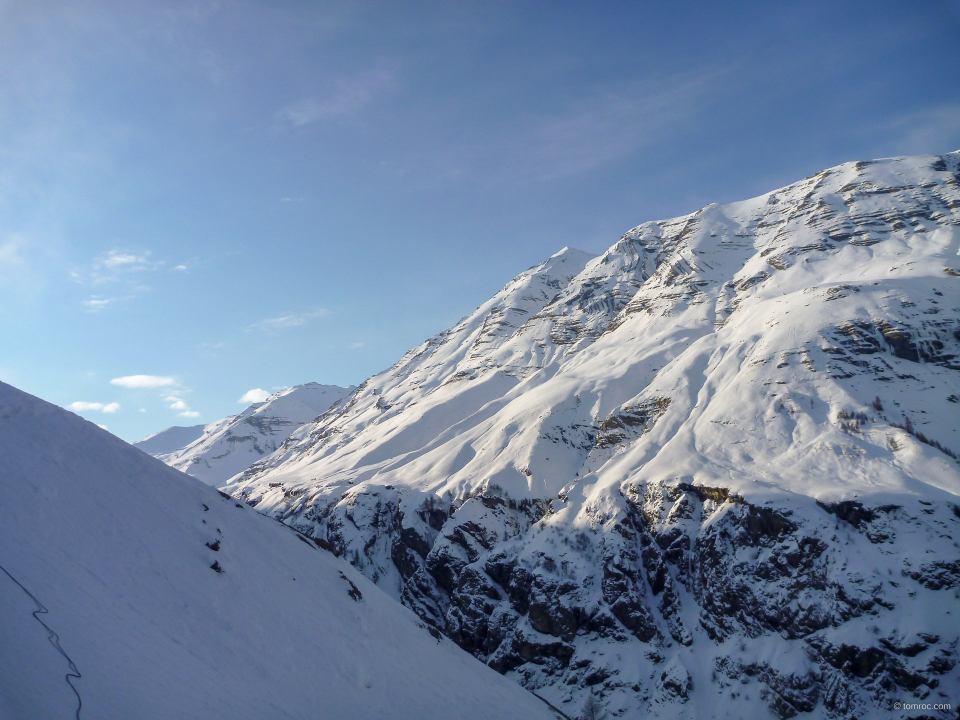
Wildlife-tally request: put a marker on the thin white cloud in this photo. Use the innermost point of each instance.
(143, 410)
(350, 96)
(96, 303)
(12, 258)
(254, 396)
(81, 406)
(25, 263)
(117, 266)
(144, 381)
(932, 130)
(177, 404)
(591, 131)
(103, 427)
(181, 268)
(190, 413)
(283, 322)
(118, 259)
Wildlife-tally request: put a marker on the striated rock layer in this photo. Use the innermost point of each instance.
(711, 472)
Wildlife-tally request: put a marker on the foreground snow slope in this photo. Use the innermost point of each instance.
(222, 449)
(739, 423)
(118, 548)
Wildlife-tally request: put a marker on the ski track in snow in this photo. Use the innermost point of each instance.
(54, 640)
(121, 547)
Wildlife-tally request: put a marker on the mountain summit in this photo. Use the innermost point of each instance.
(711, 472)
(216, 452)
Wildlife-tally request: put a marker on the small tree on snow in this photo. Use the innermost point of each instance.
(591, 709)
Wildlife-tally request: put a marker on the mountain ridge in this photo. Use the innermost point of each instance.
(221, 449)
(656, 452)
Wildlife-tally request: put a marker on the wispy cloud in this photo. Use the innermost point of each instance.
(349, 96)
(96, 303)
(186, 266)
(355, 345)
(25, 263)
(932, 130)
(177, 403)
(170, 387)
(117, 266)
(81, 406)
(12, 258)
(144, 381)
(289, 320)
(253, 396)
(593, 130)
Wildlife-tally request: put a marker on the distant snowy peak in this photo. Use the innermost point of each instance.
(171, 440)
(226, 447)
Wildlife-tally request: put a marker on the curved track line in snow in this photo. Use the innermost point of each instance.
(53, 638)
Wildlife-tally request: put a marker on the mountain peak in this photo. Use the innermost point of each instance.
(735, 423)
(216, 452)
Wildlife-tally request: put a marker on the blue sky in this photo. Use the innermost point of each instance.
(202, 198)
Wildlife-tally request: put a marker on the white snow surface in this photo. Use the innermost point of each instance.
(731, 312)
(229, 446)
(114, 544)
(171, 440)
(773, 348)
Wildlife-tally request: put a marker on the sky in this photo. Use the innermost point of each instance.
(204, 202)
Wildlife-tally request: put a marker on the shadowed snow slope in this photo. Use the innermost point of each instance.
(216, 452)
(118, 548)
(739, 423)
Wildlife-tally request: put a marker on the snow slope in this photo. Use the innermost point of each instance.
(737, 424)
(229, 446)
(118, 549)
(171, 440)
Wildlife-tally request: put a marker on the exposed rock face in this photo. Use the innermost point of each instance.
(711, 472)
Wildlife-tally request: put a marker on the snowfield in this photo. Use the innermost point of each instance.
(123, 553)
(711, 472)
(216, 452)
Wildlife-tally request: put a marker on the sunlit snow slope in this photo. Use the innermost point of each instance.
(119, 548)
(170, 441)
(711, 472)
(216, 452)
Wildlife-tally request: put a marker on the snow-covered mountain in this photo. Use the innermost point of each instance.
(142, 593)
(709, 473)
(172, 440)
(216, 452)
